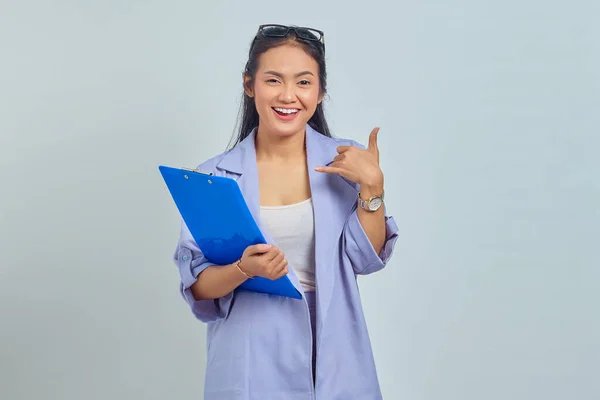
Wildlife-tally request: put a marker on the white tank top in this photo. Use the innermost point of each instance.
(292, 229)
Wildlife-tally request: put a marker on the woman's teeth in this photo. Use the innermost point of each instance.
(286, 110)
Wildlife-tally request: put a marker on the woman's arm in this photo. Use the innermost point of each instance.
(369, 237)
(217, 281)
(361, 165)
(261, 260)
(373, 223)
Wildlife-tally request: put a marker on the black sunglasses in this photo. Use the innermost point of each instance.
(274, 30)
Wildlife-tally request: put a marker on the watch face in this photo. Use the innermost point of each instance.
(375, 204)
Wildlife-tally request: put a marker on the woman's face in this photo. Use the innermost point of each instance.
(286, 90)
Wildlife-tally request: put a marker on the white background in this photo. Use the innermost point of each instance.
(489, 142)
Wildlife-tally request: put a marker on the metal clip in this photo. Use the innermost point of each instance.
(197, 171)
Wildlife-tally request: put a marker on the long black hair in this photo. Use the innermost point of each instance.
(248, 115)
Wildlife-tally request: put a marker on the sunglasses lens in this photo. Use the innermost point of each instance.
(308, 34)
(275, 30)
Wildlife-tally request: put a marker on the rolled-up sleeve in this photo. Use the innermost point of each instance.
(191, 262)
(359, 249)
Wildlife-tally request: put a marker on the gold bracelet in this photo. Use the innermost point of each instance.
(237, 264)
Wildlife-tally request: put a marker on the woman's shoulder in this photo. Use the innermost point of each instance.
(210, 164)
(347, 142)
(333, 140)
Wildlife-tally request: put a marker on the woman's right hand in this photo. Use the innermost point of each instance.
(264, 260)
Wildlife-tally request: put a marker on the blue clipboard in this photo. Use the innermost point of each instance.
(215, 212)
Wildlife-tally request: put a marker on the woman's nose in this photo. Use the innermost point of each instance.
(287, 94)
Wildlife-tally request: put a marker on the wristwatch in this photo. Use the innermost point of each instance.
(373, 204)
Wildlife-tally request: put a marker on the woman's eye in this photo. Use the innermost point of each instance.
(272, 80)
(304, 82)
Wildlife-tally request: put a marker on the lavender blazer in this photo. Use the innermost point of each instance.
(259, 345)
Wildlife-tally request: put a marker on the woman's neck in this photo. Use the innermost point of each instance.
(274, 148)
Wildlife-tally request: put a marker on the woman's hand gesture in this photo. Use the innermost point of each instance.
(358, 165)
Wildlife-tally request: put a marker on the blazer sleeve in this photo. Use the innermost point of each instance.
(359, 249)
(191, 262)
(357, 245)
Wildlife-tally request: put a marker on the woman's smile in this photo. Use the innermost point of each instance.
(286, 114)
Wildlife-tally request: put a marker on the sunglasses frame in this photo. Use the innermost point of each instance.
(261, 31)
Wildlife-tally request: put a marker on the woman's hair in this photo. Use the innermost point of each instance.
(248, 115)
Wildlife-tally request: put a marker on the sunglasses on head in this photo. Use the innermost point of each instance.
(274, 30)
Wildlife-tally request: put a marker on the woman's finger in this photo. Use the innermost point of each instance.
(331, 170)
(282, 269)
(271, 254)
(339, 157)
(274, 263)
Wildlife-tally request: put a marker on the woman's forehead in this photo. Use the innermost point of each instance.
(287, 58)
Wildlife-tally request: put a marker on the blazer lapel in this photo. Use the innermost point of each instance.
(241, 161)
(333, 200)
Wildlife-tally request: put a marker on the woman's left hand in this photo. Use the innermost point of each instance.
(358, 165)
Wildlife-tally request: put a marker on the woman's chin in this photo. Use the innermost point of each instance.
(286, 130)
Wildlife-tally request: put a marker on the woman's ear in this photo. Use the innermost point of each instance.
(321, 96)
(247, 85)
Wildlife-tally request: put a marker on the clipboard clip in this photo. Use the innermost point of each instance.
(197, 171)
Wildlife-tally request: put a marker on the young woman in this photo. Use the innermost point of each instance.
(319, 202)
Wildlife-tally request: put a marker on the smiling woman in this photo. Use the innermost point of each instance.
(319, 203)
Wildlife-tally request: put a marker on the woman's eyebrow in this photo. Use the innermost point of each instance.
(295, 76)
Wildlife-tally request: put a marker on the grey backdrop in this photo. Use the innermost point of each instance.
(489, 136)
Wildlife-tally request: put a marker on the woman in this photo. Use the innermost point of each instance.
(318, 201)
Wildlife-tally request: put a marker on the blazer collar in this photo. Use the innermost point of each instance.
(320, 150)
